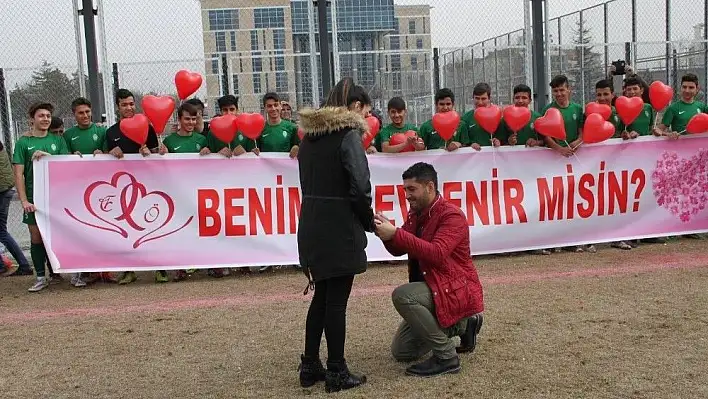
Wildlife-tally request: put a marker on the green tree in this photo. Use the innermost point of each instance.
(587, 63)
(48, 84)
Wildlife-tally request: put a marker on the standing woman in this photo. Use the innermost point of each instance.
(335, 214)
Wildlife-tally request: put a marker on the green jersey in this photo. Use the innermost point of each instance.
(390, 129)
(475, 133)
(528, 132)
(679, 113)
(643, 124)
(278, 138)
(432, 139)
(85, 141)
(178, 144)
(573, 118)
(26, 147)
(215, 145)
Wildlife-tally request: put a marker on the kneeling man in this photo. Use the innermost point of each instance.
(444, 297)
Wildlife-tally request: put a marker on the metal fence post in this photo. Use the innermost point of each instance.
(581, 39)
(496, 67)
(225, 73)
(606, 34)
(5, 115)
(436, 69)
(668, 39)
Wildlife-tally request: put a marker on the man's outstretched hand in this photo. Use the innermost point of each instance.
(384, 229)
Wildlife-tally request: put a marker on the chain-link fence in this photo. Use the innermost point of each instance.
(660, 39)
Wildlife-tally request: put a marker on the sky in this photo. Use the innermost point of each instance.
(142, 35)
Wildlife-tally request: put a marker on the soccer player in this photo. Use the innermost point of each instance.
(286, 111)
(676, 117)
(526, 136)
(57, 126)
(202, 126)
(278, 135)
(476, 136)
(83, 139)
(573, 118)
(28, 148)
(228, 105)
(444, 102)
(397, 113)
(117, 144)
(634, 87)
(604, 94)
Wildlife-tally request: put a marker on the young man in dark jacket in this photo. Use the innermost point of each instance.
(444, 297)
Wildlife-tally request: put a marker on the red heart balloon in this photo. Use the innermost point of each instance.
(488, 118)
(446, 123)
(374, 125)
(551, 124)
(698, 124)
(300, 133)
(187, 83)
(516, 117)
(597, 108)
(136, 128)
(400, 138)
(251, 125)
(629, 109)
(158, 110)
(597, 129)
(224, 128)
(660, 95)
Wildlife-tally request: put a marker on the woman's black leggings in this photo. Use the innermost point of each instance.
(328, 314)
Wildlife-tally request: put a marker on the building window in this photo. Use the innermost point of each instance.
(279, 39)
(419, 44)
(395, 42)
(414, 63)
(397, 81)
(279, 63)
(233, 40)
(235, 84)
(265, 18)
(411, 27)
(396, 62)
(220, 41)
(254, 40)
(257, 62)
(281, 82)
(223, 19)
(256, 83)
(215, 64)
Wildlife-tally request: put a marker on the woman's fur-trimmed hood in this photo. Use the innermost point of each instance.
(326, 120)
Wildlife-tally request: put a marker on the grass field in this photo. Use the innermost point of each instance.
(613, 324)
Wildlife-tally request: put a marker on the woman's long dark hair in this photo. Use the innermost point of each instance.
(346, 93)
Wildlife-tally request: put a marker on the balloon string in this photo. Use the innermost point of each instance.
(574, 154)
(256, 143)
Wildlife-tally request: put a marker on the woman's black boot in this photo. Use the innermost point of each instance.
(338, 377)
(311, 371)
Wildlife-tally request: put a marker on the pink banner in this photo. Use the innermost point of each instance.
(184, 211)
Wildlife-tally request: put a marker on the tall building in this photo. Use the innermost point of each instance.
(255, 46)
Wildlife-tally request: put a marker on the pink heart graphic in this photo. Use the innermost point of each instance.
(681, 185)
(124, 206)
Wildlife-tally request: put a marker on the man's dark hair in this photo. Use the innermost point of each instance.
(558, 81)
(122, 94)
(271, 96)
(187, 108)
(443, 94)
(689, 77)
(605, 84)
(37, 106)
(422, 173)
(196, 102)
(482, 88)
(80, 101)
(227, 100)
(397, 103)
(522, 88)
(633, 81)
(57, 122)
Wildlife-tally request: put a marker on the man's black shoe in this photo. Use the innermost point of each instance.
(468, 340)
(311, 371)
(434, 367)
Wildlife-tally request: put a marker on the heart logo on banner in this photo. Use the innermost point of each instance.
(597, 108)
(629, 109)
(446, 123)
(660, 95)
(551, 124)
(516, 117)
(597, 129)
(698, 124)
(251, 125)
(187, 83)
(124, 206)
(136, 128)
(224, 128)
(488, 118)
(681, 185)
(158, 110)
